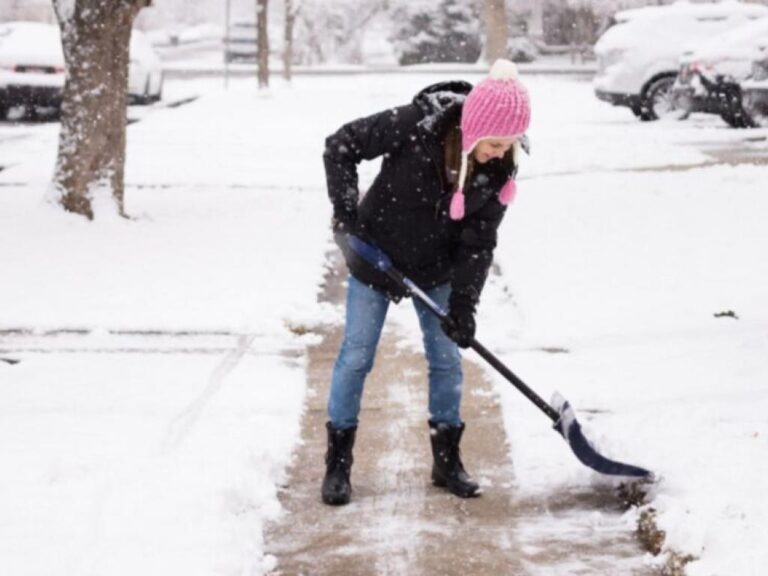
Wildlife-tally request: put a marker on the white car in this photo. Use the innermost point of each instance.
(638, 57)
(32, 69)
(240, 42)
(145, 72)
(754, 92)
(711, 74)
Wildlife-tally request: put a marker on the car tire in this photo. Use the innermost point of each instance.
(159, 94)
(758, 117)
(659, 102)
(736, 116)
(737, 119)
(637, 110)
(146, 97)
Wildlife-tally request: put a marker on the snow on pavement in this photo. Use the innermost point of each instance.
(620, 269)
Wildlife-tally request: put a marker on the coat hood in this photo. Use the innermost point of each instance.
(441, 103)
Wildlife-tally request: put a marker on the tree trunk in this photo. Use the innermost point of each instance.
(536, 23)
(91, 159)
(290, 20)
(495, 30)
(262, 49)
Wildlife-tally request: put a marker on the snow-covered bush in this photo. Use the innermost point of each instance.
(332, 30)
(521, 49)
(448, 32)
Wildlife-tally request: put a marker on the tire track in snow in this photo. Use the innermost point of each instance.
(183, 423)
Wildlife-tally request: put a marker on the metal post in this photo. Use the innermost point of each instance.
(226, 43)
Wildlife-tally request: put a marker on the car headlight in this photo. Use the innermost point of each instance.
(609, 58)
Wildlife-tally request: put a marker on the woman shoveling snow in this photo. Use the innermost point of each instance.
(448, 172)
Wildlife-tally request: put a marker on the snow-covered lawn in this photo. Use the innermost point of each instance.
(119, 455)
(626, 270)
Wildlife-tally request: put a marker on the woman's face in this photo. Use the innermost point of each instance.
(492, 148)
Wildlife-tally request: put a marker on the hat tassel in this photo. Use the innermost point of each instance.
(457, 205)
(508, 192)
(457, 200)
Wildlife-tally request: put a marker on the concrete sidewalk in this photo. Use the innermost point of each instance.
(397, 522)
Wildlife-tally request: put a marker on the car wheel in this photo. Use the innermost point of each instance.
(757, 115)
(733, 120)
(660, 102)
(637, 110)
(738, 117)
(159, 94)
(146, 97)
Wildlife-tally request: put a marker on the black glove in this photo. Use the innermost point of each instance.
(459, 325)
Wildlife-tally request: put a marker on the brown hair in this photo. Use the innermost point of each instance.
(452, 149)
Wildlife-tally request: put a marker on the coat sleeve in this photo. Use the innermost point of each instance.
(474, 254)
(363, 139)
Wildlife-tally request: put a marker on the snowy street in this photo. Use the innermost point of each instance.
(153, 371)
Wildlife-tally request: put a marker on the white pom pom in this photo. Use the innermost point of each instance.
(503, 70)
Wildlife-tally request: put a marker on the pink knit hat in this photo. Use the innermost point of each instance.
(498, 107)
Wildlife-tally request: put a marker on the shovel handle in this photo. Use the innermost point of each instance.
(379, 260)
(502, 369)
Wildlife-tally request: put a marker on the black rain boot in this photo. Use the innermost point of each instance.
(448, 471)
(338, 465)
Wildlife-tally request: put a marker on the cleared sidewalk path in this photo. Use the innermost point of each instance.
(397, 522)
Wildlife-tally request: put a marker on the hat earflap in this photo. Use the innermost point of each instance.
(509, 190)
(457, 200)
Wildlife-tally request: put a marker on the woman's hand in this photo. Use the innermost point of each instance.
(459, 325)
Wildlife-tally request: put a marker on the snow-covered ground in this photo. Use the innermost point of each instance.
(160, 383)
(626, 270)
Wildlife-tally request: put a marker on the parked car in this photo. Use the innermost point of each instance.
(240, 42)
(638, 57)
(31, 65)
(711, 74)
(32, 69)
(145, 71)
(754, 92)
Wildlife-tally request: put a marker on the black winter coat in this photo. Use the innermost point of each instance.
(405, 211)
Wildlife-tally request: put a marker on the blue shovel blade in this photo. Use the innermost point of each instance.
(570, 429)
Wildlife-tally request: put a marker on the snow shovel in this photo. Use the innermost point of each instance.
(559, 412)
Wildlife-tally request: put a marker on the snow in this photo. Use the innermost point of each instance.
(650, 41)
(65, 9)
(625, 270)
(150, 421)
(731, 53)
(30, 43)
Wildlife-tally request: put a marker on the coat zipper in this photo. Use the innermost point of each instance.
(436, 164)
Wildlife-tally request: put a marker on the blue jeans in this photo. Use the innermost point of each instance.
(366, 311)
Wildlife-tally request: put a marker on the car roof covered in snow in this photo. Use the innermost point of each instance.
(684, 8)
(675, 27)
(32, 43)
(37, 43)
(744, 42)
